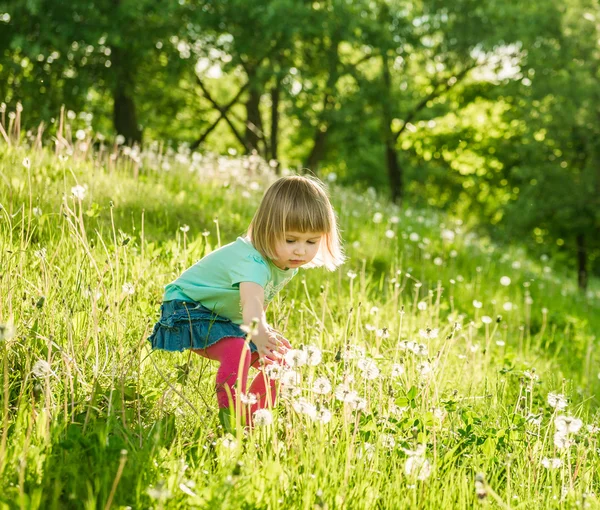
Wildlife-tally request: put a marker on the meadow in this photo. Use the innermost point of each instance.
(434, 369)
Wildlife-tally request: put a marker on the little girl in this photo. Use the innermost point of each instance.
(211, 305)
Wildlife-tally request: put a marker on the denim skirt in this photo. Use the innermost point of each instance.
(189, 325)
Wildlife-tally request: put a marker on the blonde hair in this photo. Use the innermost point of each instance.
(300, 204)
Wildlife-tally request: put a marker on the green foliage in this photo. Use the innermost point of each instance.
(90, 417)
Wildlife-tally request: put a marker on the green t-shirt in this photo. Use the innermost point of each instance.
(215, 280)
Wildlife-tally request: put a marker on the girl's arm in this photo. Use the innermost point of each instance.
(252, 298)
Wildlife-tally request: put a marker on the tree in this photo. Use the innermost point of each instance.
(55, 53)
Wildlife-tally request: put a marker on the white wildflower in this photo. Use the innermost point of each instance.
(290, 378)
(27, 163)
(557, 400)
(296, 358)
(7, 331)
(262, 417)
(429, 333)
(418, 467)
(388, 441)
(344, 394)
(41, 369)
(273, 371)
(369, 368)
(321, 386)
(551, 463)
(397, 370)
(562, 441)
(377, 217)
(79, 191)
(382, 333)
(425, 368)
(303, 406)
(505, 280)
(422, 305)
(313, 355)
(567, 424)
(477, 304)
(486, 319)
(323, 415)
(358, 403)
(248, 399)
(128, 289)
(421, 350)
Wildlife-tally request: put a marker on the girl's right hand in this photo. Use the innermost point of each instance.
(270, 349)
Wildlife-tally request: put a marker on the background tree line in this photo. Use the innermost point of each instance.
(487, 109)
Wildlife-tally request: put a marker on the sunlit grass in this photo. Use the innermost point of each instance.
(438, 351)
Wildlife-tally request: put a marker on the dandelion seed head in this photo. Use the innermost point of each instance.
(296, 358)
(505, 280)
(567, 424)
(248, 398)
(313, 355)
(128, 289)
(262, 418)
(322, 386)
(41, 369)
(557, 400)
(79, 191)
(397, 370)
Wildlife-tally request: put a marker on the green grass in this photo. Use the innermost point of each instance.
(92, 419)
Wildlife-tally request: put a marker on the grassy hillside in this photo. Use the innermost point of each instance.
(459, 370)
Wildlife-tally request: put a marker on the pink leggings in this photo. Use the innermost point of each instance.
(228, 352)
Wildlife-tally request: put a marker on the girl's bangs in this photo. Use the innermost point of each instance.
(305, 219)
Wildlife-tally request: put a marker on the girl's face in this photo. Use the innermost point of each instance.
(297, 249)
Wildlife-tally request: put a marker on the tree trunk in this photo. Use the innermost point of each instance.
(124, 111)
(275, 95)
(318, 150)
(582, 274)
(253, 132)
(395, 174)
(394, 171)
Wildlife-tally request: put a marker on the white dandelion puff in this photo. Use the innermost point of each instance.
(551, 463)
(567, 424)
(128, 289)
(418, 467)
(296, 358)
(248, 399)
(41, 369)
(397, 370)
(557, 400)
(321, 386)
(79, 191)
(344, 394)
(262, 417)
(313, 355)
(429, 333)
(323, 415)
